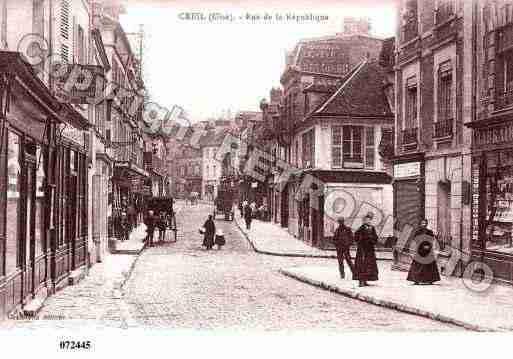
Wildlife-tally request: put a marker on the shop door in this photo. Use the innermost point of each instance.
(71, 216)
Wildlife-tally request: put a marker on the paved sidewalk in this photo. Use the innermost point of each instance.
(135, 243)
(270, 238)
(447, 301)
(96, 301)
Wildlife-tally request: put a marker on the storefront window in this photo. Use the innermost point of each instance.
(13, 202)
(499, 202)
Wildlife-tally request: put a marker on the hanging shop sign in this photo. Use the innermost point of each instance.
(409, 169)
(475, 202)
(79, 83)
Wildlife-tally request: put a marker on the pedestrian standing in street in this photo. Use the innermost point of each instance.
(220, 240)
(423, 268)
(150, 222)
(131, 214)
(366, 267)
(343, 238)
(253, 206)
(210, 232)
(162, 224)
(243, 207)
(248, 216)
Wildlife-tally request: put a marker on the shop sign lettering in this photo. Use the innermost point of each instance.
(409, 169)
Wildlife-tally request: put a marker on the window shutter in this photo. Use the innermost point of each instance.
(64, 30)
(74, 40)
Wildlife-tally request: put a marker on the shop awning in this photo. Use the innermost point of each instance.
(129, 170)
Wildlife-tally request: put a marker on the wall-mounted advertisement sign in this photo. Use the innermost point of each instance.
(409, 169)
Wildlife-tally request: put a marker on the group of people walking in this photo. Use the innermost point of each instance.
(250, 211)
(423, 268)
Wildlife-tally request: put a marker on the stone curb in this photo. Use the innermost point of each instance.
(388, 304)
(285, 254)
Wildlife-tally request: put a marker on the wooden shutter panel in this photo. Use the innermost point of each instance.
(74, 40)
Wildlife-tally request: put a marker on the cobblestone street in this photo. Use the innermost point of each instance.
(184, 286)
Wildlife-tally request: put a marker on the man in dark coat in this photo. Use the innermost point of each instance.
(343, 238)
(151, 222)
(132, 217)
(423, 268)
(366, 267)
(248, 216)
(210, 232)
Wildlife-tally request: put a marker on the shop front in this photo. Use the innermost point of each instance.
(492, 197)
(130, 186)
(409, 203)
(314, 220)
(28, 206)
(72, 197)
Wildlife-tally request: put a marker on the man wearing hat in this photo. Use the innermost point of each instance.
(366, 267)
(343, 238)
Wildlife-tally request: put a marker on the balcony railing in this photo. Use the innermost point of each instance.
(410, 136)
(443, 129)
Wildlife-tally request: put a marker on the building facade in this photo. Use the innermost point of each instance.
(313, 119)
(492, 145)
(433, 102)
(129, 182)
(46, 145)
(336, 142)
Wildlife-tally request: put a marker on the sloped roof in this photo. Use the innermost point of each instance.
(361, 94)
(386, 55)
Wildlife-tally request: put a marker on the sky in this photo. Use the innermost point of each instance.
(208, 67)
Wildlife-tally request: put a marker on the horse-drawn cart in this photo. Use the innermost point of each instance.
(164, 205)
(223, 204)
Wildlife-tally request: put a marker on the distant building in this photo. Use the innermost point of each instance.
(325, 132)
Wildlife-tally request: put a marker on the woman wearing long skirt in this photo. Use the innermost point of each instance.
(366, 267)
(210, 232)
(423, 267)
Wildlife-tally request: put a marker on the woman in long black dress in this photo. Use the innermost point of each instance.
(423, 267)
(366, 267)
(210, 232)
